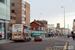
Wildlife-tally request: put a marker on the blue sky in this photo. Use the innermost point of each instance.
(52, 12)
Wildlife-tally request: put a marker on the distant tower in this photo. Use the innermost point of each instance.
(58, 25)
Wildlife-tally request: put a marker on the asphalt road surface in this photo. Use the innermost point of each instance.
(31, 45)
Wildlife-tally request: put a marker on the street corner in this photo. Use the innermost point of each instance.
(61, 45)
(66, 45)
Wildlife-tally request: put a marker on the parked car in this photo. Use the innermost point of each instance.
(37, 38)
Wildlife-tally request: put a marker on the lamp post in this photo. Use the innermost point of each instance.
(64, 18)
(6, 19)
(39, 20)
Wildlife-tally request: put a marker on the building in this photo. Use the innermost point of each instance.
(58, 26)
(67, 31)
(37, 29)
(50, 28)
(20, 12)
(4, 16)
(27, 13)
(37, 26)
(42, 22)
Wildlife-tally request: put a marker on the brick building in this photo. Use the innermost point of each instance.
(42, 22)
(36, 26)
(19, 13)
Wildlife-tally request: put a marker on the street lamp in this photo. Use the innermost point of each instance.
(6, 19)
(39, 20)
(64, 17)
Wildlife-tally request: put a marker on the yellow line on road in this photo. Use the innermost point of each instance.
(65, 46)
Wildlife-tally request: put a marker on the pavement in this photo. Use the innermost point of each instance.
(69, 40)
(5, 41)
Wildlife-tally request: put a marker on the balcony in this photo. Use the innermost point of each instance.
(23, 15)
(23, 9)
(23, 2)
(23, 22)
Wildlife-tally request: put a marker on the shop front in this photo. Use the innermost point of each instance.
(1, 30)
(38, 33)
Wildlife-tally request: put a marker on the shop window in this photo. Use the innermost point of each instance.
(3, 1)
(38, 28)
(11, 24)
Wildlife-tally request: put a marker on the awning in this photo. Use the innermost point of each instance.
(38, 32)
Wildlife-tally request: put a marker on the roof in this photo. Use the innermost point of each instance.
(38, 32)
(38, 24)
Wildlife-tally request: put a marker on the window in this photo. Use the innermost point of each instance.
(25, 27)
(13, 11)
(26, 34)
(10, 24)
(38, 28)
(41, 28)
(3, 1)
(12, 4)
(14, 18)
(34, 28)
(11, 17)
(23, 5)
(23, 12)
(23, 18)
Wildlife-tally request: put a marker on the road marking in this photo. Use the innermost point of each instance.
(65, 46)
(59, 43)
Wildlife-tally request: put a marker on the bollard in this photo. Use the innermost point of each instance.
(50, 37)
(56, 36)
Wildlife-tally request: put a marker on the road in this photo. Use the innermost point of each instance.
(31, 45)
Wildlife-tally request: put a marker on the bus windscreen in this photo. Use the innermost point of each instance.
(17, 28)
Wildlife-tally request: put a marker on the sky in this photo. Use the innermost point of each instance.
(52, 12)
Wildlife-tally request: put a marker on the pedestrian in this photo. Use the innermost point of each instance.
(72, 35)
(68, 35)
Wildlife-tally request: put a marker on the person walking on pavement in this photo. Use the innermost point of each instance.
(72, 35)
(68, 35)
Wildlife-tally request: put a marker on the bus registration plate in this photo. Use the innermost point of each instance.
(17, 37)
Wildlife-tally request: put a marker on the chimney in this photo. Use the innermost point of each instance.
(34, 20)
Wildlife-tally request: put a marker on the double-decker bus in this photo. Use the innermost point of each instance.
(21, 32)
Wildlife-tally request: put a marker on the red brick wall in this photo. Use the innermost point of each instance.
(34, 25)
